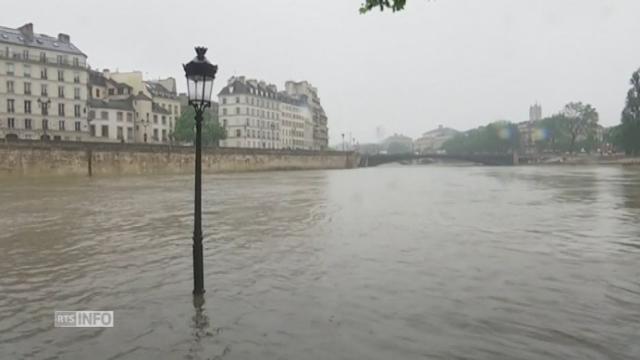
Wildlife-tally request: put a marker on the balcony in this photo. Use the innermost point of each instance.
(49, 60)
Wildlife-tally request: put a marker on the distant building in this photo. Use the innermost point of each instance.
(318, 116)
(43, 86)
(257, 115)
(156, 106)
(526, 129)
(535, 112)
(249, 111)
(296, 121)
(432, 141)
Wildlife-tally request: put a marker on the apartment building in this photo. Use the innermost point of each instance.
(295, 120)
(43, 86)
(318, 115)
(126, 108)
(249, 110)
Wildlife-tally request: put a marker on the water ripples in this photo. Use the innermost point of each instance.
(395, 262)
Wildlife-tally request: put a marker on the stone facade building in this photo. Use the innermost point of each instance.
(249, 110)
(318, 116)
(43, 86)
(125, 108)
(257, 115)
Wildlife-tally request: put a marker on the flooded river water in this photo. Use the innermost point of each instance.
(424, 262)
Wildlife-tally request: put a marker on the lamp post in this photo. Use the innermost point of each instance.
(200, 74)
(342, 141)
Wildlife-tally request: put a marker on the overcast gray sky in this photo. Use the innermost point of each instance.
(459, 63)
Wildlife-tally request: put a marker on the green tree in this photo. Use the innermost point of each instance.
(581, 121)
(394, 5)
(627, 134)
(212, 132)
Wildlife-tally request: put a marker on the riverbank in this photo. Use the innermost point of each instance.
(36, 158)
(586, 159)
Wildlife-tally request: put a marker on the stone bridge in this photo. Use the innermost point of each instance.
(485, 159)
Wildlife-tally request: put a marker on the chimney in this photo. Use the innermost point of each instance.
(106, 73)
(27, 31)
(64, 38)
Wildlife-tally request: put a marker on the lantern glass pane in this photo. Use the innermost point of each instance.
(191, 89)
(208, 87)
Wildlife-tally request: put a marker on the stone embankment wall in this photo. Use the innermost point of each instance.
(35, 158)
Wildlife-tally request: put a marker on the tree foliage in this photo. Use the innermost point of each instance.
(581, 121)
(212, 132)
(496, 138)
(627, 134)
(394, 5)
(572, 129)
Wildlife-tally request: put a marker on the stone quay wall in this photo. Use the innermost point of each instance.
(36, 158)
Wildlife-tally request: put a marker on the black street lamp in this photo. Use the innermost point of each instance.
(200, 74)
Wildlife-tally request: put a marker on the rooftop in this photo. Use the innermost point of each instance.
(24, 36)
(240, 85)
(124, 104)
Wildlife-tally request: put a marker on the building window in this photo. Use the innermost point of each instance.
(77, 126)
(224, 123)
(44, 91)
(155, 134)
(10, 87)
(44, 108)
(60, 75)
(61, 91)
(10, 69)
(27, 106)
(76, 111)
(175, 110)
(27, 124)
(104, 115)
(105, 131)
(237, 111)
(120, 133)
(43, 57)
(224, 111)
(11, 123)
(45, 124)
(76, 61)
(60, 59)
(11, 106)
(237, 100)
(98, 93)
(164, 135)
(111, 91)
(238, 132)
(155, 118)
(76, 93)
(27, 88)
(43, 73)
(26, 70)
(92, 130)
(119, 116)
(61, 125)
(25, 54)
(224, 101)
(76, 77)
(129, 133)
(129, 117)
(164, 120)
(60, 109)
